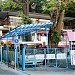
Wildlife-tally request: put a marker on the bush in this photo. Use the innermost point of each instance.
(26, 20)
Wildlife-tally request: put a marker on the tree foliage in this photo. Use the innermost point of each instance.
(36, 6)
(10, 6)
(70, 11)
(55, 37)
(26, 20)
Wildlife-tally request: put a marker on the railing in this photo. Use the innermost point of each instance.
(42, 57)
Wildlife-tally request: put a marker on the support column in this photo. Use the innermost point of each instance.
(47, 42)
(45, 63)
(16, 57)
(22, 38)
(16, 52)
(56, 56)
(7, 50)
(35, 39)
(47, 37)
(23, 58)
(66, 57)
(1, 54)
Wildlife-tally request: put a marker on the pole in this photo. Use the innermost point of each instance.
(16, 53)
(15, 56)
(1, 54)
(23, 58)
(6, 50)
(66, 57)
(47, 37)
(47, 43)
(56, 56)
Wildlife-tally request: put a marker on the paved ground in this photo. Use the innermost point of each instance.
(70, 72)
(4, 70)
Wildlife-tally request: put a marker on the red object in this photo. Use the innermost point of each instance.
(62, 46)
(42, 32)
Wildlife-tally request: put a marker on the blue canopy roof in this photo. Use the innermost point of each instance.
(25, 29)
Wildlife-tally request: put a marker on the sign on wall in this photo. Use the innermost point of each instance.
(72, 57)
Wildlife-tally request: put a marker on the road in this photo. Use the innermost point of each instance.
(62, 72)
(5, 70)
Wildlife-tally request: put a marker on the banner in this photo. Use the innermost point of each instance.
(72, 57)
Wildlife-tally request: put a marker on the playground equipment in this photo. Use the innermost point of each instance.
(39, 57)
(24, 30)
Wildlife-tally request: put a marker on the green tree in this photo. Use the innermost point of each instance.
(26, 20)
(9, 6)
(36, 6)
(56, 10)
(55, 37)
(24, 4)
(70, 11)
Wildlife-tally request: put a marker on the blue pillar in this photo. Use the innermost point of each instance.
(47, 42)
(45, 57)
(1, 53)
(66, 57)
(23, 58)
(7, 50)
(35, 57)
(16, 54)
(22, 38)
(47, 37)
(56, 56)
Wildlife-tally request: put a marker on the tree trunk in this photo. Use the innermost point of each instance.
(54, 19)
(25, 8)
(59, 26)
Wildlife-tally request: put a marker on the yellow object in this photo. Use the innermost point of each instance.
(2, 43)
(9, 43)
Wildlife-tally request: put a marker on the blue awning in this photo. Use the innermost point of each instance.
(27, 28)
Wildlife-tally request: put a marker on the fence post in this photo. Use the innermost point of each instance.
(35, 57)
(1, 54)
(66, 57)
(16, 56)
(23, 58)
(6, 50)
(45, 57)
(56, 56)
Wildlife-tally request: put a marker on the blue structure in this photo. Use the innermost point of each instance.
(25, 30)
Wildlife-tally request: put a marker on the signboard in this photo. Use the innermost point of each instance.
(61, 56)
(16, 40)
(50, 56)
(72, 57)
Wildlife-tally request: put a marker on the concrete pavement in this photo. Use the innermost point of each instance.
(64, 72)
(5, 70)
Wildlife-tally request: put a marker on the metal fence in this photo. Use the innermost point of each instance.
(41, 58)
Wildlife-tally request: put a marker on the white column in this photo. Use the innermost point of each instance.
(1, 53)
(35, 39)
